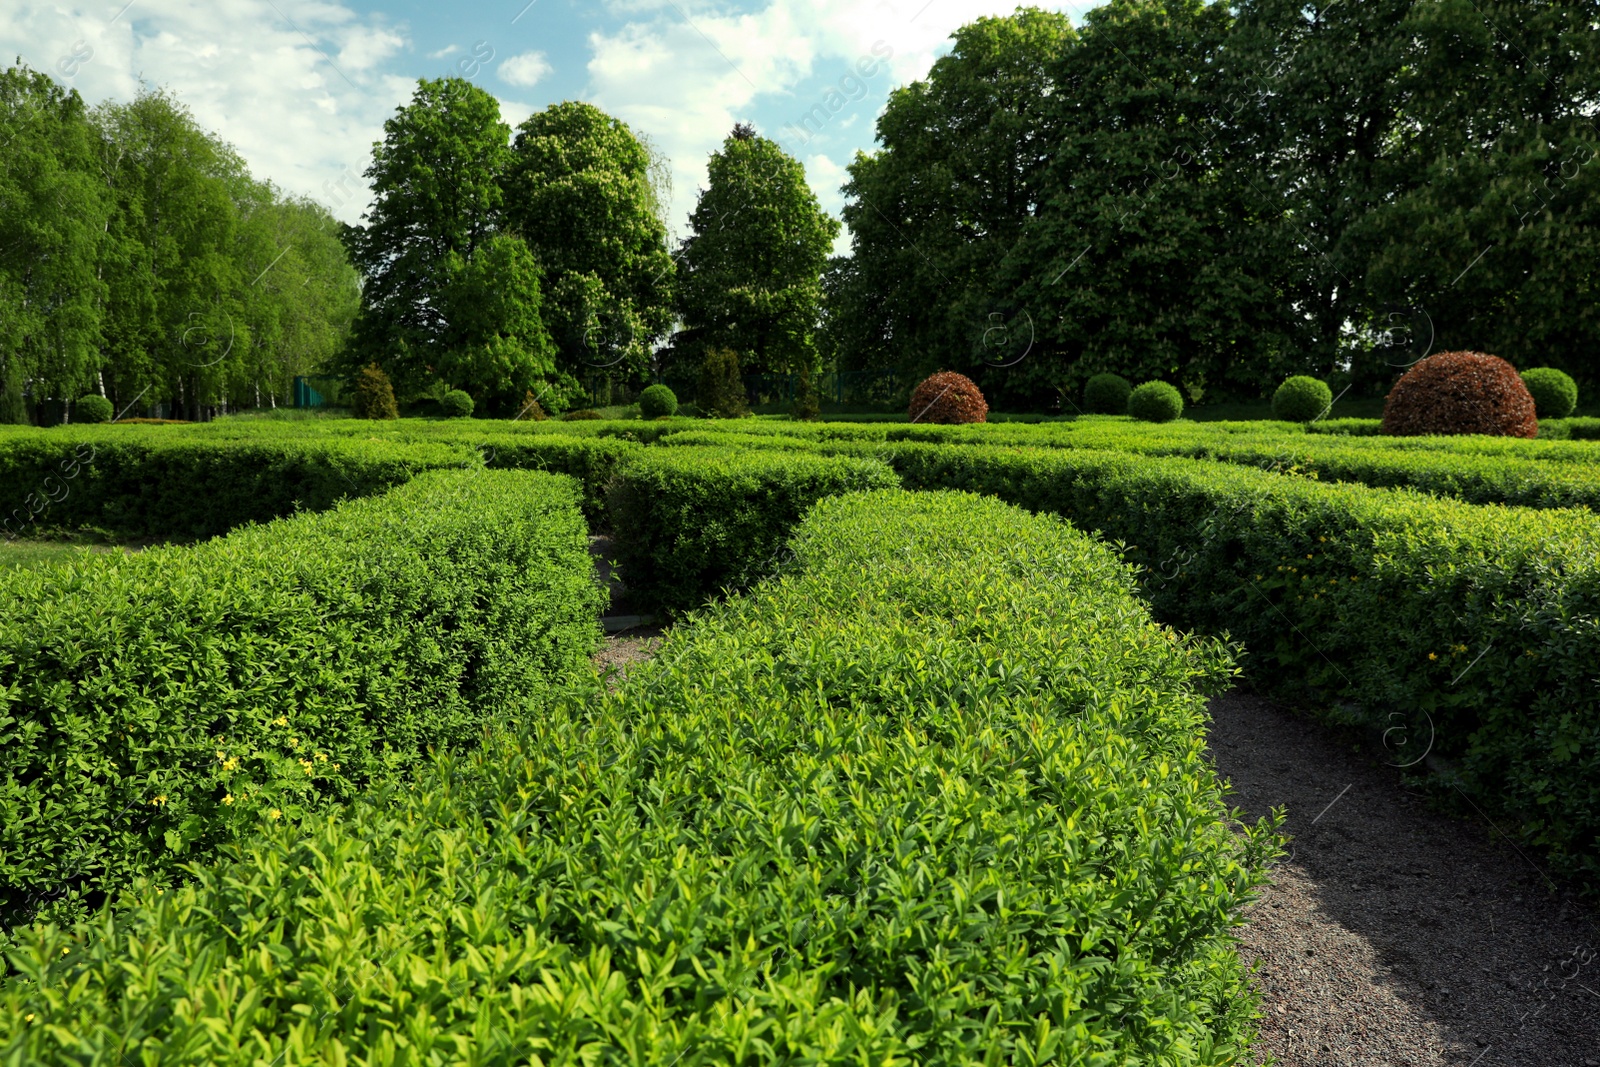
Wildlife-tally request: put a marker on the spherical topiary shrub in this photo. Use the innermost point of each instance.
(1107, 394)
(1301, 399)
(947, 397)
(1554, 393)
(455, 404)
(94, 409)
(1155, 402)
(1460, 392)
(658, 402)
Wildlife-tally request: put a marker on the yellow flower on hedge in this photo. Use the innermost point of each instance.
(294, 742)
(306, 764)
(281, 720)
(1322, 539)
(158, 801)
(63, 950)
(1433, 655)
(229, 764)
(275, 814)
(1460, 648)
(228, 799)
(321, 758)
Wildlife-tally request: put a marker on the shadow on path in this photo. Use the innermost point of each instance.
(1394, 934)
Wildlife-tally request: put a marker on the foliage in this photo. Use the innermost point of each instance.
(719, 386)
(1460, 393)
(580, 415)
(807, 404)
(657, 401)
(1379, 598)
(935, 212)
(1554, 393)
(92, 408)
(151, 481)
(689, 523)
(1144, 257)
(372, 396)
(139, 257)
(436, 200)
(578, 189)
(496, 343)
(1018, 717)
(1107, 394)
(750, 271)
(166, 702)
(456, 404)
(1155, 402)
(1302, 398)
(947, 397)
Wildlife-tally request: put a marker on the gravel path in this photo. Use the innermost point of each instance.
(1393, 934)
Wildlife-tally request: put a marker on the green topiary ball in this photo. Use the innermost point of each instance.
(1107, 394)
(1155, 402)
(1301, 399)
(98, 409)
(658, 402)
(456, 404)
(1555, 394)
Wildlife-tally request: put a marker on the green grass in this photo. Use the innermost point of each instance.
(37, 555)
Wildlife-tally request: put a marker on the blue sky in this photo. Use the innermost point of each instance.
(301, 87)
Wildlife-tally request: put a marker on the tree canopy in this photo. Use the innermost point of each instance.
(750, 271)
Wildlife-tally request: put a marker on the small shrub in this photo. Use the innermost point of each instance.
(1460, 393)
(1555, 394)
(807, 405)
(456, 404)
(658, 402)
(98, 409)
(581, 414)
(948, 398)
(1302, 398)
(530, 411)
(1155, 402)
(719, 391)
(373, 395)
(1107, 394)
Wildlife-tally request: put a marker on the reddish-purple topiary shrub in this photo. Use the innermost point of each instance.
(1460, 392)
(948, 397)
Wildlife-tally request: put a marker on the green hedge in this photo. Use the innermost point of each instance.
(1475, 627)
(156, 705)
(939, 796)
(593, 461)
(689, 523)
(138, 481)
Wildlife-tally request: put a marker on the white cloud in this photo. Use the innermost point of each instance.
(526, 70)
(447, 50)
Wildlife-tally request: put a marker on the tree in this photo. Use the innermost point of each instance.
(749, 274)
(579, 189)
(1145, 260)
(436, 199)
(52, 218)
(496, 348)
(935, 211)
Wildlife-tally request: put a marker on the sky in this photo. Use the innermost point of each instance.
(302, 87)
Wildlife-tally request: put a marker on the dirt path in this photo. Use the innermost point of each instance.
(1395, 935)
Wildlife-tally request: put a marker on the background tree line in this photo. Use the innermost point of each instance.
(1214, 194)
(140, 261)
(1220, 195)
(536, 265)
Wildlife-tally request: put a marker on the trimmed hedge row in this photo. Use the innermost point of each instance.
(148, 482)
(593, 461)
(1476, 628)
(1478, 479)
(938, 795)
(690, 523)
(154, 706)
